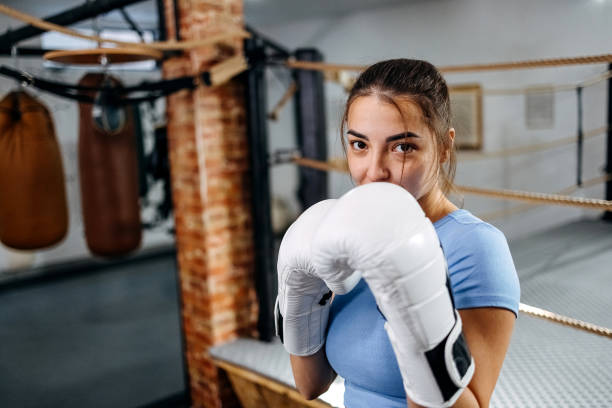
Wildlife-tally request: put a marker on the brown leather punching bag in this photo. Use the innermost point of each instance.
(108, 168)
(33, 210)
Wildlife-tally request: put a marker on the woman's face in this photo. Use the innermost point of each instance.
(381, 146)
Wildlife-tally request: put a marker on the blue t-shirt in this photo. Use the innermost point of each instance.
(482, 274)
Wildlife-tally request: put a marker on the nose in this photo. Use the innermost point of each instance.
(377, 169)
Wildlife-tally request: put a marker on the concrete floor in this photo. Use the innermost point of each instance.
(110, 338)
(566, 270)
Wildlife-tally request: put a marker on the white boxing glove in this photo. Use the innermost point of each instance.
(302, 305)
(379, 230)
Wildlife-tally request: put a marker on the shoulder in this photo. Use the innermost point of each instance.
(480, 264)
(462, 232)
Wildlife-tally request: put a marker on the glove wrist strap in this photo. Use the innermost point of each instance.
(451, 363)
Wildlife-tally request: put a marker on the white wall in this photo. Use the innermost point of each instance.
(65, 117)
(450, 32)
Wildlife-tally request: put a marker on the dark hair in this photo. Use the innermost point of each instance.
(400, 80)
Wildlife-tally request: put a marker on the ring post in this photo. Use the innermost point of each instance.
(311, 127)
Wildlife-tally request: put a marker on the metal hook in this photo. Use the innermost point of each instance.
(14, 56)
(27, 78)
(104, 64)
(15, 61)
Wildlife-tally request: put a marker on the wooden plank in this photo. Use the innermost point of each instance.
(247, 392)
(277, 400)
(287, 395)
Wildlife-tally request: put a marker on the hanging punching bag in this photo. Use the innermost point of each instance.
(33, 210)
(108, 168)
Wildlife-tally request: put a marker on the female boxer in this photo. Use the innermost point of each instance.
(397, 130)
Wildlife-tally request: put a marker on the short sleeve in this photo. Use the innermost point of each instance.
(482, 271)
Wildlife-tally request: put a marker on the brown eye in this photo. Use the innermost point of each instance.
(404, 148)
(358, 145)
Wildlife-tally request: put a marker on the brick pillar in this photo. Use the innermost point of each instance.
(208, 148)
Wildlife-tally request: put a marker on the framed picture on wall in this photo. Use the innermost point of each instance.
(466, 110)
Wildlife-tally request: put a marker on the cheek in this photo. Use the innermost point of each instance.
(415, 177)
(356, 169)
(410, 181)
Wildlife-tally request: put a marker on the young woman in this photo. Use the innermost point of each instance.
(397, 129)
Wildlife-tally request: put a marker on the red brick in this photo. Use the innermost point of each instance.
(209, 160)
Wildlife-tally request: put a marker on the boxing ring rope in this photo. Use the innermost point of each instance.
(544, 198)
(347, 82)
(532, 147)
(539, 63)
(548, 89)
(524, 207)
(564, 320)
(532, 197)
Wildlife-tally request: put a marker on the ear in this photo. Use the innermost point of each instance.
(446, 153)
(451, 135)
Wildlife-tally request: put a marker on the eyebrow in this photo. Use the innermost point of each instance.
(389, 139)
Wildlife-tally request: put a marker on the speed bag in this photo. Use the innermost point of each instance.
(33, 209)
(108, 169)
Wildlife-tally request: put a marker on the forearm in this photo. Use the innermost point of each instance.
(313, 374)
